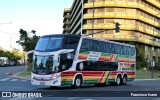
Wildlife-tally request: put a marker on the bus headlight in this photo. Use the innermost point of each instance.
(55, 76)
(32, 77)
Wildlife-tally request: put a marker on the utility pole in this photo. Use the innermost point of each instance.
(93, 19)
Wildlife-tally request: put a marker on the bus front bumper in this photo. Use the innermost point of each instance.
(45, 80)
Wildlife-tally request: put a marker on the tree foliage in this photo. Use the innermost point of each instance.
(140, 60)
(9, 55)
(28, 40)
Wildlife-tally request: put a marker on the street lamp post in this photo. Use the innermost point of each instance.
(93, 19)
(8, 32)
(82, 18)
(152, 61)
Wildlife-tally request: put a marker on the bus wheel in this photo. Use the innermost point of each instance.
(118, 80)
(77, 82)
(124, 80)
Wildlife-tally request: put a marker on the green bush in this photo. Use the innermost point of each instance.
(140, 60)
(157, 66)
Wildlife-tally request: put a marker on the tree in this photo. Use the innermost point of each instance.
(26, 41)
(140, 60)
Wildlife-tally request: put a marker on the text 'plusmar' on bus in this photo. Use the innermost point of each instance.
(74, 60)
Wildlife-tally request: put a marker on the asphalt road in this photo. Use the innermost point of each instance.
(85, 93)
(5, 71)
(91, 92)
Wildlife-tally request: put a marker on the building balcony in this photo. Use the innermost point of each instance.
(66, 10)
(67, 29)
(67, 22)
(126, 38)
(154, 2)
(123, 16)
(123, 4)
(122, 27)
(67, 16)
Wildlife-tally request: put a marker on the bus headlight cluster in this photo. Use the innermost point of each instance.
(32, 77)
(55, 76)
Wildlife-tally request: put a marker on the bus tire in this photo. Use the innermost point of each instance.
(77, 82)
(118, 80)
(124, 80)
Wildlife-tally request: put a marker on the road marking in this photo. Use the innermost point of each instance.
(5, 79)
(14, 80)
(73, 98)
(87, 99)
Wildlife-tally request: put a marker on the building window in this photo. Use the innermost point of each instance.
(121, 0)
(110, 9)
(90, 11)
(131, 11)
(101, 10)
(109, 32)
(99, 31)
(158, 50)
(131, 0)
(89, 32)
(101, 0)
(109, 20)
(120, 10)
(146, 48)
(121, 21)
(89, 21)
(128, 32)
(100, 20)
(131, 22)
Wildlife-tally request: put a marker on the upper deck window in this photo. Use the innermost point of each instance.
(49, 44)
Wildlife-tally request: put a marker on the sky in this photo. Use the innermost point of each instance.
(43, 16)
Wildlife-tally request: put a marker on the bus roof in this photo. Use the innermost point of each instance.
(52, 35)
(63, 35)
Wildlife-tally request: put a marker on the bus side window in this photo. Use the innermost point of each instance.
(83, 45)
(71, 43)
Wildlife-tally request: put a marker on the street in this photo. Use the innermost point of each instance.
(5, 71)
(90, 92)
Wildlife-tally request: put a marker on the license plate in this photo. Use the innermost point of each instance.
(42, 83)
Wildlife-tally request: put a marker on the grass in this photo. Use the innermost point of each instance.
(143, 74)
(25, 73)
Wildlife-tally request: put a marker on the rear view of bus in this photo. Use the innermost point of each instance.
(53, 54)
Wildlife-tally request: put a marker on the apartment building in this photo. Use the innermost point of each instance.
(139, 22)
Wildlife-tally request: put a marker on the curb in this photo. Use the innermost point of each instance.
(146, 79)
(19, 77)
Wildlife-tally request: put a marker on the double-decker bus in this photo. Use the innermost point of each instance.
(73, 60)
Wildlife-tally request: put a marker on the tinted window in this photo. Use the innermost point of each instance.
(71, 43)
(42, 44)
(49, 44)
(106, 47)
(54, 43)
(98, 66)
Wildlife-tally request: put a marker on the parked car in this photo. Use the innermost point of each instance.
(12, 63)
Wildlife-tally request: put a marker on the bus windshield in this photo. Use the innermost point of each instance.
(43, 64)
(49, 44)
